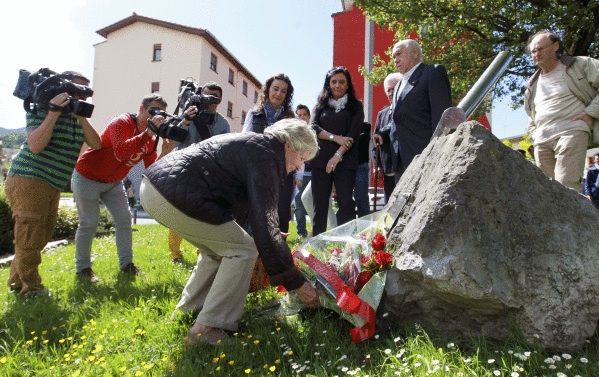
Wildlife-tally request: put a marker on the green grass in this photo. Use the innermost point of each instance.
(126, 327)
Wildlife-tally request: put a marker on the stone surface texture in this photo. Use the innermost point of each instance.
(487, 245)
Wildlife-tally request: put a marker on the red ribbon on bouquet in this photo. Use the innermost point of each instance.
(347, 299)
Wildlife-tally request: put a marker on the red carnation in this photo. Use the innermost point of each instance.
(383, 259)
(362, 279)
(378, 242)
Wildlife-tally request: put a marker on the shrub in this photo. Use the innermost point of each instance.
(68, 219)
(6, 224)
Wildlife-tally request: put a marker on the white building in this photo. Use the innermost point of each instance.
(142, 55)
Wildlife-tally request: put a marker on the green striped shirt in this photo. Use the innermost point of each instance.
(55, 163)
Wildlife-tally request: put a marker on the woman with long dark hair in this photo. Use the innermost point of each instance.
(273, 105)
(338, 118)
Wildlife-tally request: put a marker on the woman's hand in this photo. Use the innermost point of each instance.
(344, 141)
(333, 162)
(308, 295)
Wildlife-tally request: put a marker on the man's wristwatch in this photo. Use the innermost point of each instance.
(338, 154)
(331, 137)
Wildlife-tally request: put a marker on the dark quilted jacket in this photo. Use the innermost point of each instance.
(226, 176)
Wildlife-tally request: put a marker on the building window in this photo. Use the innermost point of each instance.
(157, 53)
(231, 77)
(244, 88)
(255, 96)
(213, 62)
(243, 114)
(230, 109)
(155, 87)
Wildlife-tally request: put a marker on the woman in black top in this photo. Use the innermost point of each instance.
(273, 105)
(338, 118)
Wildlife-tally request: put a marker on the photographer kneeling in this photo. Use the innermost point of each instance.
(203, 191)
(38, 174)
(99, 176)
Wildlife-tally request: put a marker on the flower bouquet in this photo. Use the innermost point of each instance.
(348, 266)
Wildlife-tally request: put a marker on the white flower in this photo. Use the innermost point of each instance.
(387, 351)
(385, 314)
(515, 374)
(490, 361)
(566, 356)
(557, 358)
(560, 374)
(397, 339)
(552, 367)
(496, 373)
(450, 345)
(549, 360)
(584, 360)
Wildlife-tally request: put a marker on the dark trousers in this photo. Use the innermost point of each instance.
(322, 185)
(300, 211)
(361, 190)
(285, 195)
(389, 185)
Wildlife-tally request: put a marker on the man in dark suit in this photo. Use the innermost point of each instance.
(420, 99)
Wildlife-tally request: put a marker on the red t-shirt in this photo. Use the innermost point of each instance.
(123, 146)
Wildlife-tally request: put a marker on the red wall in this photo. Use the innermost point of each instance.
(348, 50)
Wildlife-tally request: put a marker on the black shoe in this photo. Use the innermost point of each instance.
(87, 274)
(131, 269)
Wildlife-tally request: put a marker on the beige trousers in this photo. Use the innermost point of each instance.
(219, 283)
(563, 158)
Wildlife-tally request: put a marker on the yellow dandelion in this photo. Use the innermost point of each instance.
(140, 331)
(29, 342)
(33, 332)
(102, 359)
(248, 371)
(256, 342)
(272, 369)
(222, 355)
(217, 368)
(44, 332)
(76, 373)
(231, 362)
(278, 329)
(290, 353)
(278, 361)
(215, 360)
(148, 366)
(139, 373)
(91, 358)
(83, 337)
(3, 360)
(98, 348)
(35, 338)
(165, 358)
(70, 338)
(45, 341)
(61, 341)
(122, 369)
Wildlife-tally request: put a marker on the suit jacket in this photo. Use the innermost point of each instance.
(417, 114)
(388, 150)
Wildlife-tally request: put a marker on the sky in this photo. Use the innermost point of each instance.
(267, 36)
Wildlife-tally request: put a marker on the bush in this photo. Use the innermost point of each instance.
(68, 219)
(6, 224)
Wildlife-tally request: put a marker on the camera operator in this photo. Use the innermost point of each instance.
(99, 176)
(39, 172)
(192, 124)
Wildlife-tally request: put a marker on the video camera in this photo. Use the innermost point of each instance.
(190, 94)
(169, 128)
(38, 88)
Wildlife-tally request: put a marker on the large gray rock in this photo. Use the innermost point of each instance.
(486, 244)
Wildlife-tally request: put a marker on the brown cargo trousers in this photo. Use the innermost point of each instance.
(34, 205)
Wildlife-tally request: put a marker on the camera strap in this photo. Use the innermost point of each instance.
(203, 129)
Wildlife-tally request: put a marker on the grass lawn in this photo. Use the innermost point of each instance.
(125, 327)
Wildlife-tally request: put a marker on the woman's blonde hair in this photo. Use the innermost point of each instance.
(297, 134)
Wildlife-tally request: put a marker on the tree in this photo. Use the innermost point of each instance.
(465, 36)
(14, 139)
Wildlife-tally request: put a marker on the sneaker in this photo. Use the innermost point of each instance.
(36, 293)
(210, 335)
(131, 269)
(87, 274)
